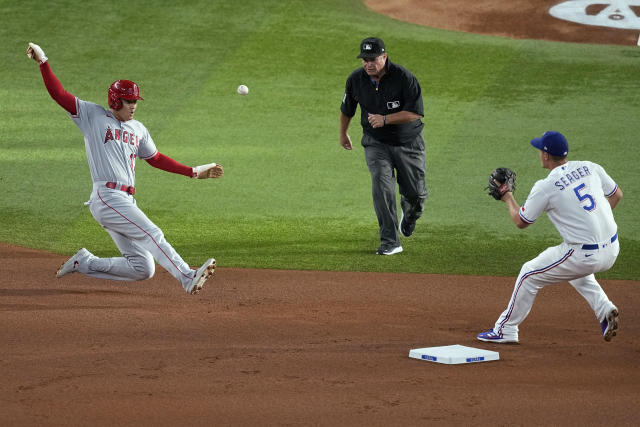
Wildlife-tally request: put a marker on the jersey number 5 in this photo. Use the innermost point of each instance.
(584, 197)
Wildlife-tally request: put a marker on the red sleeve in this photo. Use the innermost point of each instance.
(57, 92)
(166, 163)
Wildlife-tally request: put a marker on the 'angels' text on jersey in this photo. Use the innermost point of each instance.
(112, 146)
(123, 136)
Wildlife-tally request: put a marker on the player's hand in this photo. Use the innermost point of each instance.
(345, 141)
(210, 170)
(376, 120)
(36, 53)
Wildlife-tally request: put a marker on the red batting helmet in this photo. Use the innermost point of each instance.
(122, 89)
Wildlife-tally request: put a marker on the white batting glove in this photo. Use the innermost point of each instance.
(36, 53)
(210, 170)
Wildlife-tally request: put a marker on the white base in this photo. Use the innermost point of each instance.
(454, 354)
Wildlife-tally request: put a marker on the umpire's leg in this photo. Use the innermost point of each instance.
(410, 163)
(383, 188)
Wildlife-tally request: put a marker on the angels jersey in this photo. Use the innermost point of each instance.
(574, 196)
(112, 146)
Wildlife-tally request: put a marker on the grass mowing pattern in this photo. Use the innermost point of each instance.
(291, 197)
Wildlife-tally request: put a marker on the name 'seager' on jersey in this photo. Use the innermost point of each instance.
(571, 177)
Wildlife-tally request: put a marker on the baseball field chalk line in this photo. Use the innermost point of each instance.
(453, 354)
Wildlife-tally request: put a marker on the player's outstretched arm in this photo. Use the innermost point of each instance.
(51, 82)
(166, 163)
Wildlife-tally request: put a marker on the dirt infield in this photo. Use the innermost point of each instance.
(301, 348)
(265, 347)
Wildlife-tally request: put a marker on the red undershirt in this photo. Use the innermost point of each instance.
(68, 102)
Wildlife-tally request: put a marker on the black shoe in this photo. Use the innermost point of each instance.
(406, 227)
(388, 250)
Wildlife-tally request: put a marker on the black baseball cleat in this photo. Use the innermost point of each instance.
(406, 226)
(388, 250)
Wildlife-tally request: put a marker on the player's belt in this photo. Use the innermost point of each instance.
(125, 188)
(593, 247)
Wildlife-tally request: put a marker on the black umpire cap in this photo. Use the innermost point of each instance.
(371, 47)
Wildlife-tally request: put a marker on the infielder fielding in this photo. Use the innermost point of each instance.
(113, 140)
(391, 109)
(578, 196)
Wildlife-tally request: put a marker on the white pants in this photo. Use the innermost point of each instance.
(139, 240)
(559, 264)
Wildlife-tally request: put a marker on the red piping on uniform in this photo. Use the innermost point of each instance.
(151, 237)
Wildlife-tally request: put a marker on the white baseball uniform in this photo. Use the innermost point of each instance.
(574, 196)
(112, 147)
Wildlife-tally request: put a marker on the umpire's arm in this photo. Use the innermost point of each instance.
(345, 140)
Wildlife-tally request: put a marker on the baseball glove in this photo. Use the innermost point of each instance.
(501, 180)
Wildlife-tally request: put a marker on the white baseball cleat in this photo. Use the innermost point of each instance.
(71, 265)
(201, 276)
(610, 325)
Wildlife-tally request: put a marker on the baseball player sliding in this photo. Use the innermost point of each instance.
(578, 197)
(113, 140)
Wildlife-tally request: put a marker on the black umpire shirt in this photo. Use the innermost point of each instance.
(398, 90)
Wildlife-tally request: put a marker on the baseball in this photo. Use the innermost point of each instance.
(243, 90)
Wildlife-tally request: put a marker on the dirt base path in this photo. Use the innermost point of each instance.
(520, 19)
(298, 348)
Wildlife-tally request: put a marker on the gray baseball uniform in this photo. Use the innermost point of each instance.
(113, 142)
(112, 147)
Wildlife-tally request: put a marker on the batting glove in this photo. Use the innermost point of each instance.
(210, 170)
(36, 53)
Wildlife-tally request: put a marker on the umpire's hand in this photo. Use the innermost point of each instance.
(345, 141)
(377, 120)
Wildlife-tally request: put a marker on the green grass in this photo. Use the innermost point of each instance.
(291, 197)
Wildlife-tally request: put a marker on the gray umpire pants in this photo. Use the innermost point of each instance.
(407, 162)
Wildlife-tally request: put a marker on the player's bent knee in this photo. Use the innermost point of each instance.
(144, 269)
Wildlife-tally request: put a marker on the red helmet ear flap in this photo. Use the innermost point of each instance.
(114, 102)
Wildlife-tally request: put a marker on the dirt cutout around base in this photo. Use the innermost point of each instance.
(519, 19)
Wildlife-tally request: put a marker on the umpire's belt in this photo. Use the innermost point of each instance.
(132, 190)
(598, 246)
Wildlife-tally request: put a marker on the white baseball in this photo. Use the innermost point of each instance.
(243, 90)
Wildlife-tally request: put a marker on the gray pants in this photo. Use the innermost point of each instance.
(386, 162)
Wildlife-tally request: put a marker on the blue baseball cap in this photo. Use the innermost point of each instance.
(552, 142)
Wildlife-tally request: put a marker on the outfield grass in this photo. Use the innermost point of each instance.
(291, 197)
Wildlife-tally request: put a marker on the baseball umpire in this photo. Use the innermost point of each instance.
(391, 110)
(578, 197)
(113, 140)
